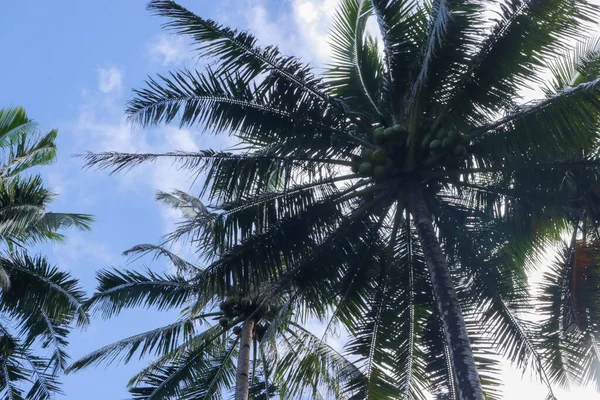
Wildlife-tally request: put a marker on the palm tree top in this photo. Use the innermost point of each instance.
(423, 138)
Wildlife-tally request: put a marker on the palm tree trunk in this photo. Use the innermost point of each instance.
(243, 365)
(461, 355)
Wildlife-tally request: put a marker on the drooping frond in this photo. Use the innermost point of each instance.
(158, 341)
(119, 289)
(207, 363)
(179, 263)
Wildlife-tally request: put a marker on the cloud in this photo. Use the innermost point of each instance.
(169, 50)
(313, 20)
(110, 80)
(300, 31)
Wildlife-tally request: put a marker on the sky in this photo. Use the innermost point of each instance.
(72, 65)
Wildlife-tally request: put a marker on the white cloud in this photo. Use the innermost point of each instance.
(110, 80)
(169, 50)
(313, 20)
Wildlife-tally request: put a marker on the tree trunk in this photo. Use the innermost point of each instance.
(243, 366)
(461, 355)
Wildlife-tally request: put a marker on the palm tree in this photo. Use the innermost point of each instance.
(416, 183)
(196, 354)
(38, 302)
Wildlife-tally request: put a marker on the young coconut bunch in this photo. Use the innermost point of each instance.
(429, 136)
(220, 345)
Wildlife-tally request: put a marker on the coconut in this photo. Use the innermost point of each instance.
(224, 322)
(356, 159)
(354, 168)
(388, 133)
(380, 172)
(398, 128)
(378, 156)
(245, 302)
(365, 168)
(237, 330)
(435, 144)
(453, 134)
(230, 301)
(446, 142)
(378, 135)
(441, 134)
(460, 151)
(366, 154)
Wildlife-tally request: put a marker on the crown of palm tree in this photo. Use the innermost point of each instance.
(412, 178)
(196, 355)
(38, 302)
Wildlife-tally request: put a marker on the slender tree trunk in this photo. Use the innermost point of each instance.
(461, 355)
(243, 366)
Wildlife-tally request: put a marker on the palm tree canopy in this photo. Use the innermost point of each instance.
(39, 304)
(431, 115)
(195, 356)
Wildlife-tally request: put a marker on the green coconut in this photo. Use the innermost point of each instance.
(378, 156)
(366, 154)
(453, 135)
(460, 151)
(388, 133)
(237, 330)
(230, 301)
(224, 322)
(398, 128)
(446, 142)
(380, 172)
(441, 134)
(378, 135)
(365, 168)
(354, 168)
(245, 302)
(435, 144)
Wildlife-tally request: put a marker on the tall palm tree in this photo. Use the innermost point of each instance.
(38, 302)
(416, 181)
(196, 355)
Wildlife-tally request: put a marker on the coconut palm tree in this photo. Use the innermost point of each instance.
(416, 182)
(38, 302)
(196, 355)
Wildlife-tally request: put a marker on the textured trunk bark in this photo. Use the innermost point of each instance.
(461, 355)
(243, 365)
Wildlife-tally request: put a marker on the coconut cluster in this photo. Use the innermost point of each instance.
(380, 162)
(449, 143)
(385, 158)
(236, 310)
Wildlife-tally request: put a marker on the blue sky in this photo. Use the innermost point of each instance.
(72, 64)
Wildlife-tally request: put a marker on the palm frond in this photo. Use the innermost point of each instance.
(157, 341)
(236, 52)
(179, 263)
(120, 289)
(356, 74)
